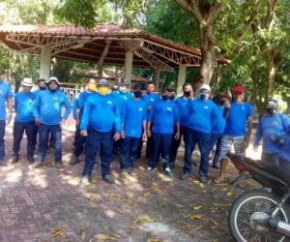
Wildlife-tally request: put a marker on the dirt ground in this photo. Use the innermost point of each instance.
(47, 204)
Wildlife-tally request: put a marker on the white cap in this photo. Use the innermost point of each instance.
(205, 87)
(53, 78)
(27, 82)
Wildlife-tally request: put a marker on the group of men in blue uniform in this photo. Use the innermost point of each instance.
(107, 117)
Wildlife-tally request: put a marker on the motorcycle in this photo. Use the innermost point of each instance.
(260, 214)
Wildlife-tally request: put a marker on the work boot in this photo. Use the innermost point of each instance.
(15, 159)
(74, 160)
(3, 163)
(30, 158)
(108, 178)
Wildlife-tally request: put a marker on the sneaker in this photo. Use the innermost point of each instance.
(85, 180)
(131, 171)
(3, 163)
(108, 178)
(37, 164)
(203, 179)
(30, 158)
(15, 159)
(58, 165)
(216, 166)
(185, 176)
(74, 160)
(123, 174)
(168, 172)
(150, 170)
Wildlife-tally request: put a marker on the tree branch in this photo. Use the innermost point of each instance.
(247, 25)
(190, 6)
(214, 12)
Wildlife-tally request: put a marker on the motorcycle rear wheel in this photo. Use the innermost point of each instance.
(249, 214)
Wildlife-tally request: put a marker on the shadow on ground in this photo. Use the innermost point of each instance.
(47, 204)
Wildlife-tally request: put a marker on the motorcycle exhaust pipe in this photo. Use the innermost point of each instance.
(278, 225)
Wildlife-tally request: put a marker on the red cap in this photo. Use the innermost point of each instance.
(223, 95)
(238, 89)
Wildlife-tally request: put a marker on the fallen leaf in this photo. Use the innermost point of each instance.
(106, 237)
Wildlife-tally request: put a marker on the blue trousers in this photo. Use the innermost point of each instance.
(18, 131)
(44, 131)
(128, 152)
(175, 145)
(216, 139)
(95, 141)
(79, 142)
(193, 137)
(2, 141)
(160, 143)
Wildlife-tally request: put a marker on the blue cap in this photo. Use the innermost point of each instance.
(103, 82)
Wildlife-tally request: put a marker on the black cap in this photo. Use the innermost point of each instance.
(139, 86)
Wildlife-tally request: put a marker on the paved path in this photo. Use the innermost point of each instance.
(47, 204)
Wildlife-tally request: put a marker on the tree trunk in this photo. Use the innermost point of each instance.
(207, 53)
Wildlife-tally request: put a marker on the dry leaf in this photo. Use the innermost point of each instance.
(83, 235)
(197, 207)
(57, 233)
(106, 237)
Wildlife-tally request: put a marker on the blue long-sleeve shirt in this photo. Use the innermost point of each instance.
(236, 124)
(48, 105)
(81, 101)
(23, 106)
(183, 108)
(285, 150)
(133, 114)
(150, 99)
(271, 125)
(219, 123)
(101, 113)
(5, 93)
(201, 115)
(163, 116)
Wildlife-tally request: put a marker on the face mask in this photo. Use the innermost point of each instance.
(271, 111)
(54, 90)
(172, 97)
(42, 88)
(165, 97)
(222, 102)
(92, 87)
(203, 96)
(123, 89)
(138, 94)
(186, 93)
(103, 90)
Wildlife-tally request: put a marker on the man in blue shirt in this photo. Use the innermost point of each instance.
(163, 117)
(182, 104)
(223, 107)
(149, 98)
(202, 113)
(133, 118)
(24, 121)
(122, 96)
(79, 141)
(238, 129)
(5, 96)
(272, 128)
(47, 111)
(101, 117)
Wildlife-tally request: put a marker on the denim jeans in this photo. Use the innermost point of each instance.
(160, 143)
(18, 131)
(128, 152)
(175, 145)
(79, 142)
(2, 141)
(95, 141)
(44, 131)
(216, 139)
(193, 137)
